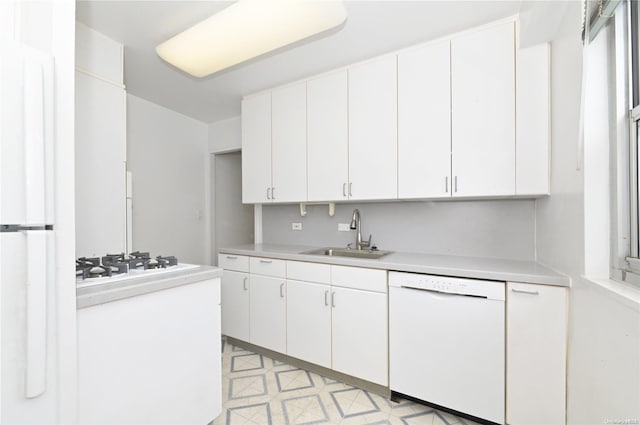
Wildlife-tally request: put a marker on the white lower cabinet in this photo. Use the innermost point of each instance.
(536, 354)
(309, 322)
(268, 313)
(359, 338)
(235, 304)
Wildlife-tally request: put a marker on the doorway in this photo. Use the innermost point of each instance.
(232, 221)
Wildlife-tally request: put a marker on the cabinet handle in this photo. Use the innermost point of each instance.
(344, 190)
(268, 193)
(273, 193)
(522, 291)
(282, 290)
(333, 299)
(350, 187)
(244, 283)
(266, 261)
(455, 183)
(446, 184)
(231, 257)
(326, 298)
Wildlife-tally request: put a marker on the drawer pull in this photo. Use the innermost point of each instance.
(282, 290)
(266, 261)
(231, 257)
(244, 283)
(522, 291)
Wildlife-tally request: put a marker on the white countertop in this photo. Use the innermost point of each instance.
(444, 265)
(88, 296)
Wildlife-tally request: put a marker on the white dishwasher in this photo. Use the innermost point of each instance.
(447, 342)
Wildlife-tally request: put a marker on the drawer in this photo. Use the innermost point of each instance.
(309, 272)
(238, 263)
(359, 278)
(267, 266)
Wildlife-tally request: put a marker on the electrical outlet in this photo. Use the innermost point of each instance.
(296, 226)
(343, 227)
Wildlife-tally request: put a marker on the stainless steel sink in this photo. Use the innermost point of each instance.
(348, 252)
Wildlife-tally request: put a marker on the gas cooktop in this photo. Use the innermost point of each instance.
(117, 267)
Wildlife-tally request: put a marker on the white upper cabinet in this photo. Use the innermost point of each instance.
(483, 112)
(424, 122)
(444, 119)
(532, 120)
(256, 149)
(327, 137)
(289, 143)
(373, 126)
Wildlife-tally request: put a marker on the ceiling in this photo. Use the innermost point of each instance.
(372, 28)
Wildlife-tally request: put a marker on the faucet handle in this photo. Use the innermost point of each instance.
(367, 243)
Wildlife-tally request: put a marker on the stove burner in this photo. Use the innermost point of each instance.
(99, 271)
(116, 262)
(167, 261)
(84, 266)
(110, 264)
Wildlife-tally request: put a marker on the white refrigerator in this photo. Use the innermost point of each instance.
(27, 231)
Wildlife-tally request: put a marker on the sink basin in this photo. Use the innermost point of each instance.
(348, 252)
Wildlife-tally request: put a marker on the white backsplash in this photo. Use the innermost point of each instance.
(497, 228)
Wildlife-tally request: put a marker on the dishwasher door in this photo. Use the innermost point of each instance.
(449, 349)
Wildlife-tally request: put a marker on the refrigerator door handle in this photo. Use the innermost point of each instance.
(38, 272)
(34, 141)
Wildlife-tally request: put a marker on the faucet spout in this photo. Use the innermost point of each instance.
(356, 225)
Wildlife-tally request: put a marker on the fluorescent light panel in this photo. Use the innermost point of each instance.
(247, 29)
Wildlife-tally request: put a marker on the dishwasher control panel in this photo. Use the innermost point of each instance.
(448, 285)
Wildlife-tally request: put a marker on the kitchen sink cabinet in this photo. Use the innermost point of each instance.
(359, 338)
(483, 112)
(373, 144)
(327, 138)
(424, 122)
(309, 322)
(256, 149)
(345, 311)
(289, 143)
(536, 354)
(235, 304)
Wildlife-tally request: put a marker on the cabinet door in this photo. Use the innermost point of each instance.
(327, 138)
(235, 305)
(536, 354)
(309, 322)
(532, 118)
(373, 145)
(256, 149)
(483, 112)
(268, 315)
(424, 122)
(100, 167)
(289, 143)
(359, 339)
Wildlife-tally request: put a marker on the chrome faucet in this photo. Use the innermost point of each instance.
(356, 225)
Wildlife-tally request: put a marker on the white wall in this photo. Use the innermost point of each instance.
(166, 153)
(604, 328)
(225, 135)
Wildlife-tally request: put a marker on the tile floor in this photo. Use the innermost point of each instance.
(259, 390)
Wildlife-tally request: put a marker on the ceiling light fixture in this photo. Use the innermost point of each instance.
(247, 29)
